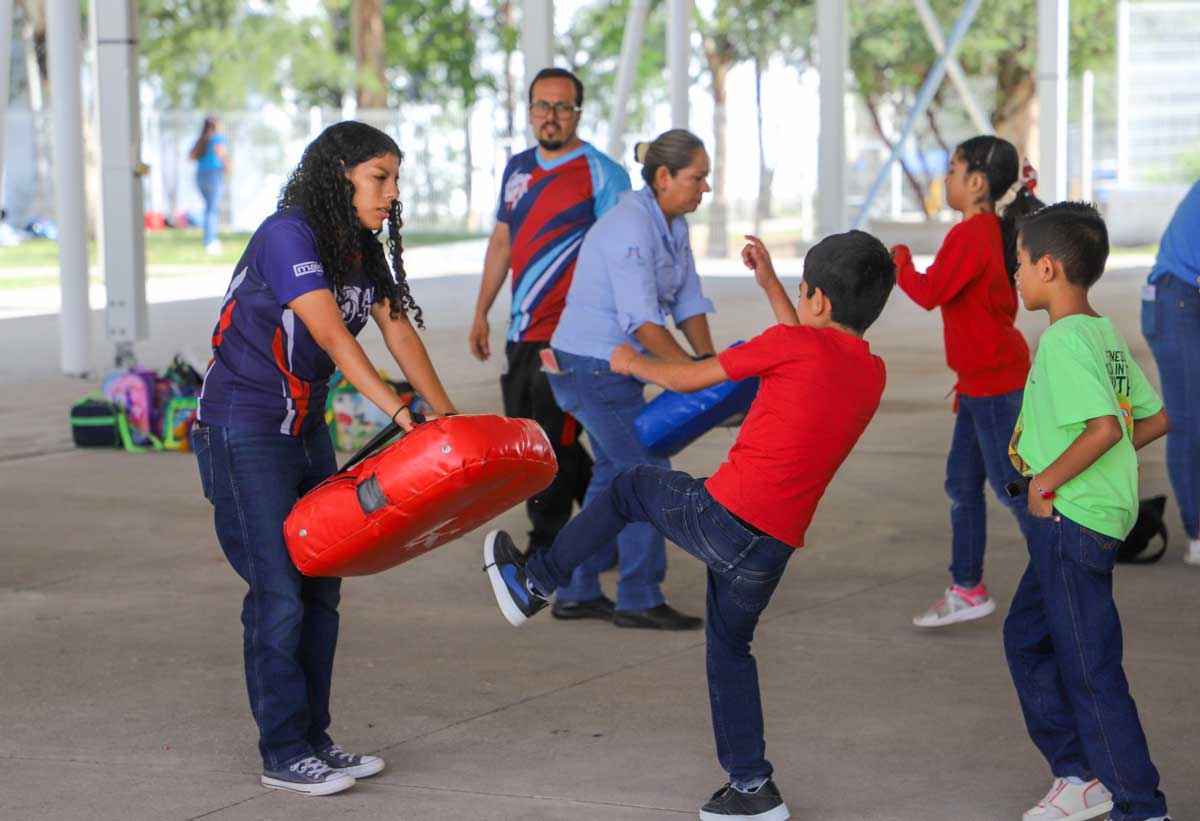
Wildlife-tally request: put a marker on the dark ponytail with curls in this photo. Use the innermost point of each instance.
(319, 187)
(1010, 193)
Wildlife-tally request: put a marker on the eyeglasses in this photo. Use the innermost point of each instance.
(541, 108)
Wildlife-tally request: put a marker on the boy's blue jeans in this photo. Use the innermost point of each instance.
(1062, 638)
(1171, 325)
(290, 621)
(983, 427)
(606, 404)
(743, 569)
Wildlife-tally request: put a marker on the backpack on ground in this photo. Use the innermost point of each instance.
(1149, 524)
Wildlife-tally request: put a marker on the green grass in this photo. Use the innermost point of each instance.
(173, 247)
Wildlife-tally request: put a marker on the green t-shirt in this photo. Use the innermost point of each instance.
(1082, 371)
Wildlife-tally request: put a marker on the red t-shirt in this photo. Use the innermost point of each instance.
(818, 390)
(969, 282)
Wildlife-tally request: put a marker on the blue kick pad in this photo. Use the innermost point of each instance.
(674, 420)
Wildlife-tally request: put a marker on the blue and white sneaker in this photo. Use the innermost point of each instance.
(505, 566)
(358, 766)
(310, 776)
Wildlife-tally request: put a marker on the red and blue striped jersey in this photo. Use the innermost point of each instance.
(549, 206)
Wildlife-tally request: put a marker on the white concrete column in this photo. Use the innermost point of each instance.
(1052, 59)
(115, 40)
(75, 319)
(631, 49)
(832, 61)
(1086, 135)
(1123, 93)
(6, 38)
(679, 52)
(537, 36)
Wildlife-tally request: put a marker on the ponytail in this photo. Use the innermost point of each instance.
(1010, 187)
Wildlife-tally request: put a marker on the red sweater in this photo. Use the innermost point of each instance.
(968, 281)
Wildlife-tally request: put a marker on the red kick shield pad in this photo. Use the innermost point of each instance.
(444, 479)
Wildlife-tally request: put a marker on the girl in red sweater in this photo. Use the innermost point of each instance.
(971, 281)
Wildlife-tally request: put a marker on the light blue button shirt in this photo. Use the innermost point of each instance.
(632, 269)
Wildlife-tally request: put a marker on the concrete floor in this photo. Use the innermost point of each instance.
(122, 694)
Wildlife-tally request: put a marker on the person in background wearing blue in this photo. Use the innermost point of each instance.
(1171, 325)
(212, 164)
(635, 268)
(312, 275)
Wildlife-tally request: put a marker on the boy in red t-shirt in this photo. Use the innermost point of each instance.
(819, 387)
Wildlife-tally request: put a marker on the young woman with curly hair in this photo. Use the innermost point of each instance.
(303, 289)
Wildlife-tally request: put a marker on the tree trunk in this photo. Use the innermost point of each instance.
(719, 64)
(1014, 115)
(31, 37)
(762, 209)
(369, 53)
(913, 182)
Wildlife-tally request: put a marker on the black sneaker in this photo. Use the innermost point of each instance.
(764, 804)
(310, 775)
(505, 566)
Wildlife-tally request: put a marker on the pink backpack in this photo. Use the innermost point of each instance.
(136, 391)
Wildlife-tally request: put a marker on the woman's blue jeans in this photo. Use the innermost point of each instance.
(978, 456)
(290, 621)
(211, 182)
(606, 404)
(1171, 325)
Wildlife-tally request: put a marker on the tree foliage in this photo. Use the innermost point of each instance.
(222, 54)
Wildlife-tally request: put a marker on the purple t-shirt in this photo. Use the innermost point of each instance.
(267, 373)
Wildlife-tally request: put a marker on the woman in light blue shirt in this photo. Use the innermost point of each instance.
(635, 269)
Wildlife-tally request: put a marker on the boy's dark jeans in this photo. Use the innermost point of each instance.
(1063, 642)
(743, 569)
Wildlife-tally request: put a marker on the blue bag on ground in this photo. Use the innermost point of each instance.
(674, 420)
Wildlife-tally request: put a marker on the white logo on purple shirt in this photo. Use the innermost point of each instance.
(303, 268)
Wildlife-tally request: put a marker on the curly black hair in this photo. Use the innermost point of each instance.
(320, 188)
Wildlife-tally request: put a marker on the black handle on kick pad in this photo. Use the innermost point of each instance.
(379, 440)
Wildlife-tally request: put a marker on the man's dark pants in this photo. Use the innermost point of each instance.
(527, 395)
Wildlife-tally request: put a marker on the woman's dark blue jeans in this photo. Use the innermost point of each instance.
(1171, 325)
(744, 568)
(290, 621)
(606, 404)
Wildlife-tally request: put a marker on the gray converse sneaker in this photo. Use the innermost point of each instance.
(310, 775)
(359, 766)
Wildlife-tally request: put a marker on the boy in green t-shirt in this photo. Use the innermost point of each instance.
(1087, 409)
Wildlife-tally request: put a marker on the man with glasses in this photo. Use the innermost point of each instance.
(550, 196)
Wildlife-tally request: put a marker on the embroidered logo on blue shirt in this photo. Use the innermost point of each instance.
(634, 252)
(302, 268)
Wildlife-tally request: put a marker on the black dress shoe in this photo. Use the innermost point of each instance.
(601, 608)
(663, 617)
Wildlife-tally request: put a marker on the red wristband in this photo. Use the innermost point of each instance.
(1045, 494)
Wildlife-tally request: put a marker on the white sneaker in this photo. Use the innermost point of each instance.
(1192, 554)
(1071, 802)
(956, 605)
(213, 248)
